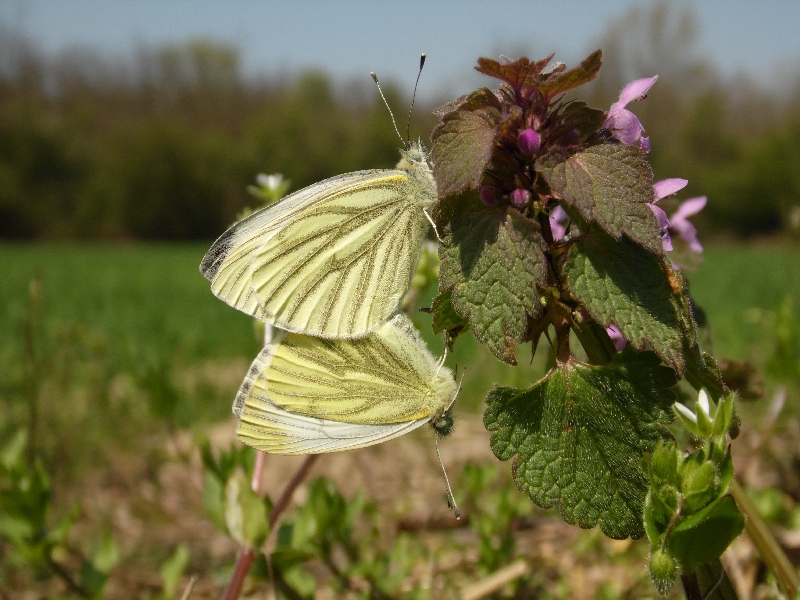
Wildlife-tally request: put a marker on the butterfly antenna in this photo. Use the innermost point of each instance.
(375, 78)
(422, 58)
(441, 360)
(451, 501)
(458, 391)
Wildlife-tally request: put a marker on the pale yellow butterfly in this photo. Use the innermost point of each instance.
(307, 395)
(332, 260)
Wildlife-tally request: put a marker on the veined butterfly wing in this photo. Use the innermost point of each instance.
(306, 395)
(332, 260)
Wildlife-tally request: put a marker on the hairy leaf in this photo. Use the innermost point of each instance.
(493, 262)
(578, 437)
(518, 74)
(705, 535)
(583, 73)
(463, 143)
(620, 283)
(609, 184)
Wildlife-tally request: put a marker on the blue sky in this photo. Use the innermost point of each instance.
(350, 39)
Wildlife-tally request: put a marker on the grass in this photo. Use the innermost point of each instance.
(734, 279)
(145, 299)
(150, 306)
(132, 351)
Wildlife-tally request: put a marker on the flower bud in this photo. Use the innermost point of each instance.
(529, 142)
(520, 197)
(490, 195)
(662, 570)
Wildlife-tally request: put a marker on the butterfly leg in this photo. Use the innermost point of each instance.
(430, 220)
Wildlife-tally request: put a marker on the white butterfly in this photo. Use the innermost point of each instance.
(306, 395)
(332, 260)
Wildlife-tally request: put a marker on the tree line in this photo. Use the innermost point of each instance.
(164, 146)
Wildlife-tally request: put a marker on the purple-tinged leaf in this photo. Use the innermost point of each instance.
(462, 147)
(609, 184)
(583, 73)
(518, 74)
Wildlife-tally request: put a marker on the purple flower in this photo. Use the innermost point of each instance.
(662, 189)
(623, 124)
(520, 197)
(616, 337)
(557, 218)
(679, 222)
(529, 142)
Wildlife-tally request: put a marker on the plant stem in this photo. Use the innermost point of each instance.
(769, 549)
(708, 582)
(243, 563)
(288, 491)
(258, 471)
(247, 555)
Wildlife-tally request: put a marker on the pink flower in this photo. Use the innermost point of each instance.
(557, 218)
(616, 337)
(662, 189)
(680, 224)
(623, 124)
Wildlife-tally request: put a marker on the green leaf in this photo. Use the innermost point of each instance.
(609, 184)
(445, 317)
(245, 512)
(107, 555)
(705, 535)
(577, 116)
(620, 283)
(578, 437)
(583, 73)
(284, 558)
(493, 262)
(12, 454)
(462, 147)
(172, 569)
(214, 499)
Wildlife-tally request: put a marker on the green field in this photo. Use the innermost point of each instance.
(126, 360)
(145, 311)
(151, 299)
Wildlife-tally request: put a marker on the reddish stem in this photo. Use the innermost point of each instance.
(258, 471)
(247, 555)
(243, 562)
(288, 491)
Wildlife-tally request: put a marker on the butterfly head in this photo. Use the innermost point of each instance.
(414, 155)
(443, 425)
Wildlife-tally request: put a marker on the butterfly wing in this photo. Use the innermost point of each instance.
(272, 429)
(332, 260)
(305, 392)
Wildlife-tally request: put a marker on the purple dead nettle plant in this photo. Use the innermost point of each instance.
(550, 228)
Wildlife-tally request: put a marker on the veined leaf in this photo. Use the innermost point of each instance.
(609, 184)
(578, 436)
(620, 283)
(492, 262)
(583, 73)
(462, 146)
